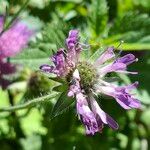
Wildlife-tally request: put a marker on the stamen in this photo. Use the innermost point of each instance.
(121, 42)
(85, 46)
(119, 54)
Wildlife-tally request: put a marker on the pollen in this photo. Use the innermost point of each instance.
(88, 75)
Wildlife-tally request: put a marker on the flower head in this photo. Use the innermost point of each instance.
(87, 79)
(14, 39)
(12, 42)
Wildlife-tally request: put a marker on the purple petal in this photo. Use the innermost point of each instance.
(123, 103)
(127, 59)
(100, 124)
(134, 103)
(108, 54)
(75, 85)
(72, 39)
(132, 86)
(73, 46)
(73, 33)
(111, 122)
(122, 95)
(47, 68)
(118, 66)
(60, 63)
(125, 99)
(58, 58)
(86, 115)
(103, 116)
(73, 89)
(97, 110)
(127, 102)
(115, 67)
(127, 88)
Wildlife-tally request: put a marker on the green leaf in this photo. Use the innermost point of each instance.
(133, 28)
(57, 79)
(31, 142)
(60, 88)
(145, 39)
(144, 96)
(38, 53)
(133, 46)
(144, 117)
(55, 33)
(32, 58)
(98, 16)
(62, 104)
(131, 21)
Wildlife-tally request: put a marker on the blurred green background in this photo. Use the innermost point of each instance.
(102, 23)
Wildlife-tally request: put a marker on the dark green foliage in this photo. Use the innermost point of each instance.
(98, 16)
(133, 30)
(63, 103)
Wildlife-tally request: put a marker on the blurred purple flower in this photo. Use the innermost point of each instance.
(12, 42)
(87, 79)
(14, 39)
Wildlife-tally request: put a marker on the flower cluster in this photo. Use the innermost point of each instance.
(12, 42)
(87, 79)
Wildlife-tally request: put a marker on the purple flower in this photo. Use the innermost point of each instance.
(12, 42)
(105, 56)
(122, 95)
(14, 39)
(63, 64)
(72, 39)
(104, 117)
(87, 79)
(119, 65)
(94, 118)
(86, 115)
(59, 62)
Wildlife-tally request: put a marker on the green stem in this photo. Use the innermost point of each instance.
(28, 104)
(7, 26)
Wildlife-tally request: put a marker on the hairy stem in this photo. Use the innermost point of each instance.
(28, 104)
